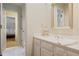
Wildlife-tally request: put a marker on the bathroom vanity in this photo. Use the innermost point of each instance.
(53, 46)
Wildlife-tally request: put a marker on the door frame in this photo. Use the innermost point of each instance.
(3, 45)
(3, 33)
(10, 13)
(23, 18)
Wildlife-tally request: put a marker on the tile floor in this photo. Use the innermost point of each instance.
(14, 51)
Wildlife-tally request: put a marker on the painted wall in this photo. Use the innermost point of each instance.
(37, 14)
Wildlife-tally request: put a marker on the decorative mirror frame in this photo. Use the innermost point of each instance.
(70, 17)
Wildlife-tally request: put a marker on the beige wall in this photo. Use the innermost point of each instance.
(10, 13)
(37, 14)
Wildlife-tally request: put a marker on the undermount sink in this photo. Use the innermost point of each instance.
(63, 41)
(67, 42)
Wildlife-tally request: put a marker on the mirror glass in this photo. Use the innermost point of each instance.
(62, 15)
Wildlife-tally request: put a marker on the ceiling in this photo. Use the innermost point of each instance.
(16, 4)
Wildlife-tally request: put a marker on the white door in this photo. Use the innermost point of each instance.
(3, 29)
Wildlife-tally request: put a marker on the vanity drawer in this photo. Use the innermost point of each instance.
(36, 42)
(47, 45)
(45, 52)
(59, 51)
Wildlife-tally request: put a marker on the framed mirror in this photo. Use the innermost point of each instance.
(62, 15)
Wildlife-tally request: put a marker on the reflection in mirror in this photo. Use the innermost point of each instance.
(62, 15)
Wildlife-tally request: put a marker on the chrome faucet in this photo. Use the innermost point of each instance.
(58, 39)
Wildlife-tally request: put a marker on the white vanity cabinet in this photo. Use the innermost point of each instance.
(46, 48)
(71, 53)
(42, 48)
(59, 51)
(37, 47)
(45, 52)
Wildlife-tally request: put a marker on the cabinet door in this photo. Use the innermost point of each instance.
(36, 50)
(45, 52)
(47, 45)
(59, 51)
(71, 53)
(36, 41)
(47, 49)
(37, 47)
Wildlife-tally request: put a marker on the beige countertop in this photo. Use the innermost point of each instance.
(70, 42)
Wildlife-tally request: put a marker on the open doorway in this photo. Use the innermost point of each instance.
(12, 25)
(11, 18)
(12, 31)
